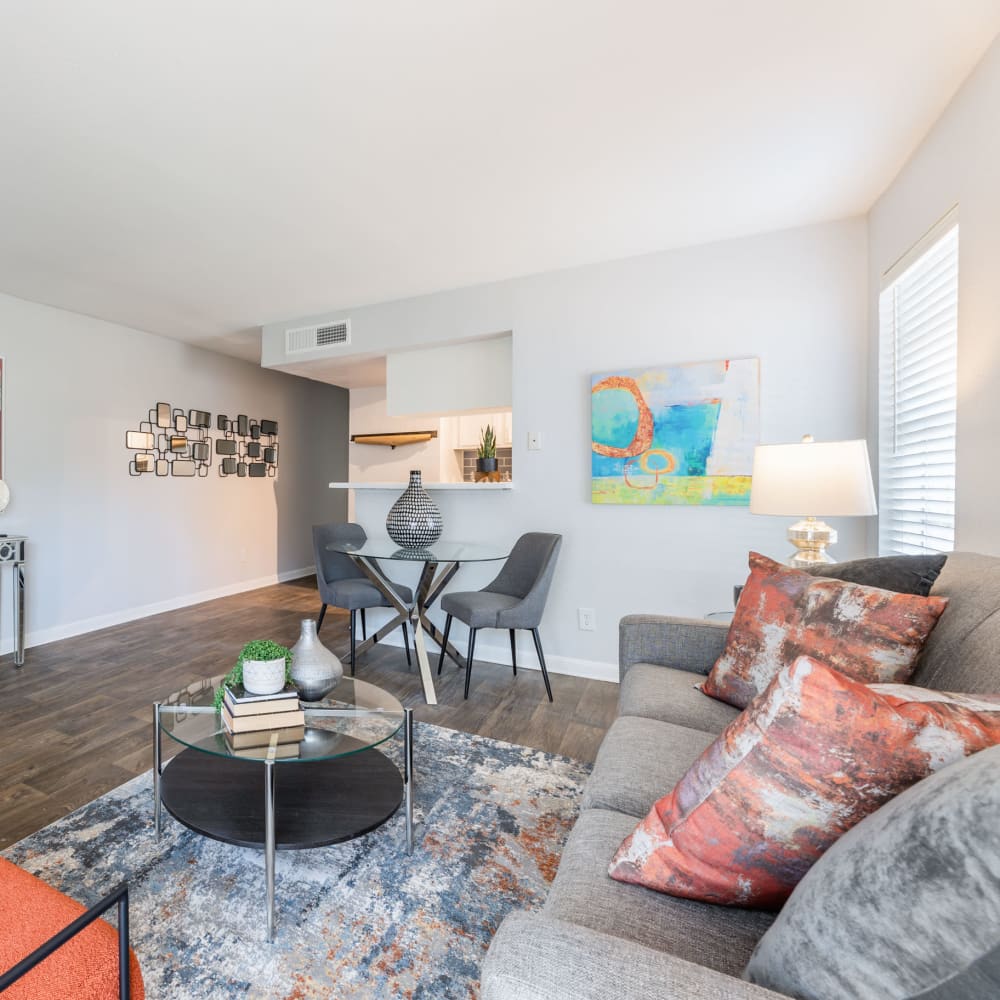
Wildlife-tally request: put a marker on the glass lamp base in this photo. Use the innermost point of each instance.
(810, 538)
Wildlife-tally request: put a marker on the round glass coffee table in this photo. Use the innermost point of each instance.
(334, 783)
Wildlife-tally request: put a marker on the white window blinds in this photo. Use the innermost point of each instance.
(918, 353)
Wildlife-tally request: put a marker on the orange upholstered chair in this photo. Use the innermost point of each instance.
(85, 967)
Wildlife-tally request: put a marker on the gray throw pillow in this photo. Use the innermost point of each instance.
(902, 574)
(905, 905)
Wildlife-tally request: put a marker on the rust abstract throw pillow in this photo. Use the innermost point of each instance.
(869, 634)
(807, 760)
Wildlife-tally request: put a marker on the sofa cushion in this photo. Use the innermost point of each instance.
(535, 957)
(902, 574)
(806, 761)
(905, 905)
(963, 652)
(869, 634)
(672, 696)
(582, 893)
(638, 759)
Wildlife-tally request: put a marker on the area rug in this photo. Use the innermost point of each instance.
(361, 919)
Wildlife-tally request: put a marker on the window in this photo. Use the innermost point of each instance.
(918, 354)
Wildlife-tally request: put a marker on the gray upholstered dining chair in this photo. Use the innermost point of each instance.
(515, 599)
(343, 586)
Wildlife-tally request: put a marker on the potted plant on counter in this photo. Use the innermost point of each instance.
(263, 667)
(486, 456)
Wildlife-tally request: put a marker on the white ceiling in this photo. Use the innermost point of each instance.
(196, 169)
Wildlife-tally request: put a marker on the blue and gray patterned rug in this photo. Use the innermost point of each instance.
(356, 920)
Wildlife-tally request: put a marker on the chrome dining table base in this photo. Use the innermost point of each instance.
(434, 577)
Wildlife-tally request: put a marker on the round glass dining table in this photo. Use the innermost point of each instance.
(440, 562)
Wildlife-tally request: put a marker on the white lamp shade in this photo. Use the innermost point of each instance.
(813, 479)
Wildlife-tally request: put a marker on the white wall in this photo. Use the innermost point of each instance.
(105, 547)
(958, 163)
(375, 463)
(796, 299)
(450, 379)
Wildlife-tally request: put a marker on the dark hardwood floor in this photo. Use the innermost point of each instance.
(76, 719)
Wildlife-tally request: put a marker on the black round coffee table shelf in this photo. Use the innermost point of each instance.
(317, 803)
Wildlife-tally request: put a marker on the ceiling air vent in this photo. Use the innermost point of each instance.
(311, 338)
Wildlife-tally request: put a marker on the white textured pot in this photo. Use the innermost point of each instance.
(264, 676)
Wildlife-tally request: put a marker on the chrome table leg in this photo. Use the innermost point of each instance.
(408, 774)
(416, 618)
(269, 843)
(157, 769)
(18, 614)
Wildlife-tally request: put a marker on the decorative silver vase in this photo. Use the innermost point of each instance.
(414, 521)
(315, 670)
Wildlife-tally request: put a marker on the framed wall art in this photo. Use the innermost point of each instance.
(675, 434)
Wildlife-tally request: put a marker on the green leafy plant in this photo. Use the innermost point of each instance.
(258, 649)
(487, 443)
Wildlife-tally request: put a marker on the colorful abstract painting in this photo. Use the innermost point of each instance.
(676, 434)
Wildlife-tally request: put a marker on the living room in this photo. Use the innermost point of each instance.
(499, 206)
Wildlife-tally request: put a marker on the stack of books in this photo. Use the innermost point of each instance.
(251, 720)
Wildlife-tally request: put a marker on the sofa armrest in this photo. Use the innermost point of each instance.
(534, 957)
(685, 643)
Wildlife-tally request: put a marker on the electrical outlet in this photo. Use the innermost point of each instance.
(534, 440)
(587, 618)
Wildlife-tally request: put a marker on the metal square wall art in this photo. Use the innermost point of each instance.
(675, 434)
(172, 442)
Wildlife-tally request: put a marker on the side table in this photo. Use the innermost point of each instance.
(12, 552)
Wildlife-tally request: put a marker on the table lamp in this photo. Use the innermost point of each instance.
(810, 480)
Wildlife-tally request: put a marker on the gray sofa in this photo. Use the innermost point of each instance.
(599, 938)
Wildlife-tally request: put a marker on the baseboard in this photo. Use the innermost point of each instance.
(84, 625)
(499, 652)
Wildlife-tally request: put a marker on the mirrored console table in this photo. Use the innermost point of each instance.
(12, 553)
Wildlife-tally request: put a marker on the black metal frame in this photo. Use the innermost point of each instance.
(42, 952)
(470, 655)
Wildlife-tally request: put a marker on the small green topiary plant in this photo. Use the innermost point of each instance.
(259, 649)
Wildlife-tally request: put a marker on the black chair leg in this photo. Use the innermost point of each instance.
(364, 625)
(468, 661)
(541, 661)
(513, 650)
(444, 643)
(406, 645)
(354, 616)
(319, 621)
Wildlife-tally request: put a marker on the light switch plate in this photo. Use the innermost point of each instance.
(534, 440)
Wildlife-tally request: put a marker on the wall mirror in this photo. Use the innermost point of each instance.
(139, 439)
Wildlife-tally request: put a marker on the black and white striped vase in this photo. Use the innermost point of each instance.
(414, 522)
